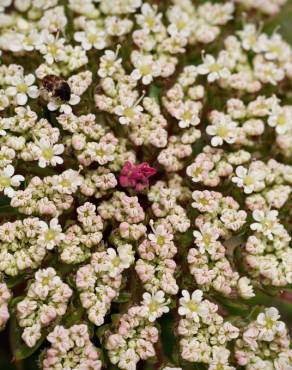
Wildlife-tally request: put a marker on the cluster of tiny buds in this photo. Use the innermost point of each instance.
(5, 296)
(203, 332)
(46, 301)
(136, 333)
(99, 282)
(71, 349)
(264, 343)
(24, 243)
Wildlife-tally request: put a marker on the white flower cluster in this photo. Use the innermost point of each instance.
(222, 212)
(91, 142)
(79, 239)
(213, 165)
(5, 296)
(156, 266)
(204, 333)
(50, 196)
(98, 182)
(99, 281)
(208, 261)
(183, 99)
(18, 87)
(24, 243)
(38, 142)
(159, 42)
(165, 198)
(45, 303)
(243, 124)
(178, 149)
(71, 349)
(266, 184)
(144, 155)
(136, 334)
(117, 94)
(264, 343)
(267, 251)
(269, 7)
(122, 207)
(250, 60)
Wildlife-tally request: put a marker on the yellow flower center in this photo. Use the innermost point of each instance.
(145, 70)
(92, 38)
(281, 120)
(150, 21)
(22, 88)
(187, 115)
(215, 67)
(116, 261)
(160, 240)
(50, 235)
(5, 181)
(192, 306)
(248, 180)
(153, 306)
(129, 112)
(48, 153)
(269, 323)
(222, 131)
(197, 171)
(100, 152)
(206, 239)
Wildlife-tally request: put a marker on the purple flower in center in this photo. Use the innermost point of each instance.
(136, 175)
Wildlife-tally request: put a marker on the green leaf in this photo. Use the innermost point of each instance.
(282, 23)
(155, 92)
(7, 210)
(233, 307)
(74, 315)
(115, 318)
(13, 281)
(101, 331)
(168, 338)
(123, 297)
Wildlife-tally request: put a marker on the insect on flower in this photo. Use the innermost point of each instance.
(58, 87)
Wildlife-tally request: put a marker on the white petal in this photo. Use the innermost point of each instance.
(8, 170)
(33, 92)
(21, 99)
(29, 79)
(75, 99)
(11, 91)
(52, 106)
(9, 192)
(16, 180)
(58, 148)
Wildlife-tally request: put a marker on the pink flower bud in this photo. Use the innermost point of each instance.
(136, 176)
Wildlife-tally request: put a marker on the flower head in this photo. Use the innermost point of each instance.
(8, 181)
(136, 176)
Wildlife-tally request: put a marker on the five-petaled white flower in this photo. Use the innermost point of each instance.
(51, 234)
(267, 223)
(47, 153)
(192, 306)
(22, 87)
(154, 305)
(249, 180)
(8, 181)
(214, 68)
